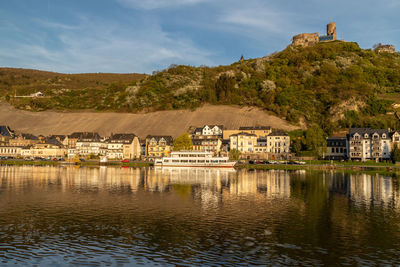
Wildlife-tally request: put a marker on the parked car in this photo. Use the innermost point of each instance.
(125, 161)
(251, 161)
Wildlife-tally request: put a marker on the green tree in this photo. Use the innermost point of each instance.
(316, 140)
(234, 154)
(395, 154)
(183, 142)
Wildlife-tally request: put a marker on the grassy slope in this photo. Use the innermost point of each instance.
(334, 85)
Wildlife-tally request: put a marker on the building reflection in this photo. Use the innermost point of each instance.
(209, 186)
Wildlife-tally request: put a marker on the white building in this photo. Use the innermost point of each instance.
(278, 142)
(243, 142)
(369, 144)
(208, 130)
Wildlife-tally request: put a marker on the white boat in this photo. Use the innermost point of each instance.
(194, 159)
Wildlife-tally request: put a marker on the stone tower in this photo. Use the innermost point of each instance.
(331, 30)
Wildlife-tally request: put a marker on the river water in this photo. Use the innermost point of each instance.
(56, 216)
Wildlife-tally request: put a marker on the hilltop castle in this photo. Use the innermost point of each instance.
(307, 39)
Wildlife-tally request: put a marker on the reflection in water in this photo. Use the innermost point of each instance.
(53, 215)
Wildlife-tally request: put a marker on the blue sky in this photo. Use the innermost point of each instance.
(126, 36)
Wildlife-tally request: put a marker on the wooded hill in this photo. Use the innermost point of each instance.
(334, 85)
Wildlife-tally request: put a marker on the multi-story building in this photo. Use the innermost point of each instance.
(369, 144)
(207, 143)
(278, 142)
(123, 146)
(243, 142)
(395, 138)
(63, 139)
(23, 140)
(337, 148)
(46, 148)
(87, 144)
(158, 146)
(207, 130)
(82, 137)
(10, 151)
(261, 146)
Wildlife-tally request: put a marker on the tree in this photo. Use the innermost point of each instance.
(183, 142)
(395, 154)
(234, 154)
(316, 141)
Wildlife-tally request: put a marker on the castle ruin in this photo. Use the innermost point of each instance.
(307, 39)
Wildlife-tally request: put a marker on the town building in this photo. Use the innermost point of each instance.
(63, 139)
(158, 146)
(337, 148)
(207, 143)
(47, 148)
(369, 144)
(261, 146)
(123, 146)
(395, 136)
(23, 140)
(243, 142)
(278, 142)
(209, 130)
(87, 144)
(10, 151)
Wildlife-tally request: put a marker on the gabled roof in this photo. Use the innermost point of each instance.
(122, 137)
(6, 131)
(212, 126)
(167, 138)
(247, 128)
(27, 136)
(369, 131)
(58, 136)
(52, 141)
(85, 136)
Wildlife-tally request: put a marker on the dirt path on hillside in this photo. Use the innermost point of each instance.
(172, 122)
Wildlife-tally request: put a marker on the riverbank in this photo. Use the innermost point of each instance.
(381, 167)
(67, 163)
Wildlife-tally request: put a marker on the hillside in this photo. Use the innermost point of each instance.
(334, 85)
(173, 122)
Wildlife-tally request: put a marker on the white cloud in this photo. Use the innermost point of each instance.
(156, 4)
(92, 46)
(266, 20)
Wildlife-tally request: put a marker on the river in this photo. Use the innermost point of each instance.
(126, 216)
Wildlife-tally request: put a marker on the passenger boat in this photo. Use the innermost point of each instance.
(194, 159)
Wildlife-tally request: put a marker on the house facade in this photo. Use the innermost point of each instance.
(337, 148)
(243, 142)
(209, 130)
(278, 142)
(158, 146)
(87, 144)
(123, 146)
(207, 143)
(369, 144)
(23, 140)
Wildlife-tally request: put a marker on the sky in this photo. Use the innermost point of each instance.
(142, 36)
